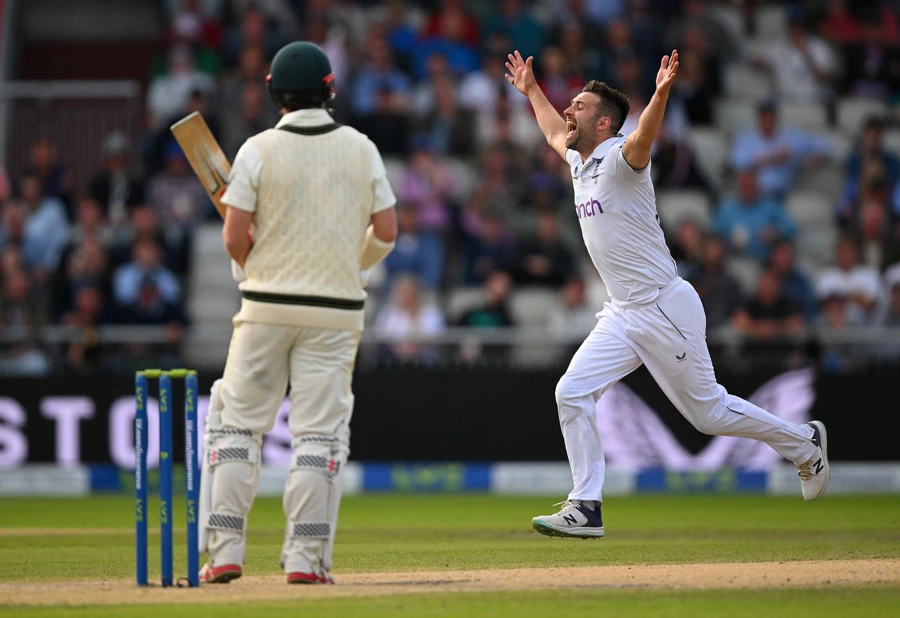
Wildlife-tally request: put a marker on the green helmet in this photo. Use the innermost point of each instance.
(300, 76)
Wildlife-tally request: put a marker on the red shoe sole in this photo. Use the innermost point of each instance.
(224, 574)
(307, 578)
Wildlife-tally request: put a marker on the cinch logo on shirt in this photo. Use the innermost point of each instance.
(588, 209)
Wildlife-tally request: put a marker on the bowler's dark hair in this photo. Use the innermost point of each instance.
(613, 103)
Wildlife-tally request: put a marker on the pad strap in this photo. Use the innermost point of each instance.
(329, 466)
(309, 529)
(222, 521)
(227, 454)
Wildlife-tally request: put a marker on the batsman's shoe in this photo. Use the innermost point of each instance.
(310, 578)
(814, 474)
(573, 520)
(220, 574)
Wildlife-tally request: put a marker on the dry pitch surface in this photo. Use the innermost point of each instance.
(423, 551)
(752, 575)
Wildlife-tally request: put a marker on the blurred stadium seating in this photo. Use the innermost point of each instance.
(89, 89)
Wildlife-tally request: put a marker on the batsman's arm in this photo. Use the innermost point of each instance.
(236, 234)
(521, 75)
(240, 201)
(382, 231)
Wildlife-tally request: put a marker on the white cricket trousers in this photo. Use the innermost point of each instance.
(669, 337)
(263, 358)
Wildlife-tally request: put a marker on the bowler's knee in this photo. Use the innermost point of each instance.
(568, 397)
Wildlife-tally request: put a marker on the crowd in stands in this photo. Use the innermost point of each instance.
(483, 202)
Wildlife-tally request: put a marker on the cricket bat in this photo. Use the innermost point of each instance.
(205, 156)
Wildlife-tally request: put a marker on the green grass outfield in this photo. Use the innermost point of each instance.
(54, 540)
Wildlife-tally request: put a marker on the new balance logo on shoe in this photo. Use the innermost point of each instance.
(570, 519)
(819, 466)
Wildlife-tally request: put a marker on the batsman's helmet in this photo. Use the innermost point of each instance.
(300, 76)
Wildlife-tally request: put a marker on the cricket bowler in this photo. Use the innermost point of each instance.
(654, 317)
(309, 208)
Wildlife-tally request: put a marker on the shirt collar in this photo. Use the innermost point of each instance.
(604, 146)
(305, 118)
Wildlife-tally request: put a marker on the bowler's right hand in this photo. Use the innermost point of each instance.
(521, 75)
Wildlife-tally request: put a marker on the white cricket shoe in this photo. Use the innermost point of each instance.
(814, 474)
(572, 520)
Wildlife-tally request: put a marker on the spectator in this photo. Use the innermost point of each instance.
(168, 94)
(84, 260)
(573, 316)
(19, 305)
(56, 178)
(86, 266)
(10, 261)
(114, 188)
(146, 263)
(189, 22)
(151, 305)
(498, 184)
(859, 285)
(407, 315)
(427, 187)
(751, 223)
(770, 314)
(696, 89)
(144, 225)
(871, 67)
(775, 155)
(401, 33)
(248, 119)
(719, 291)
(494, 312)
(450, 42)
(45, 229)
(889, 315)
(12, 226)
(695, 15)
(378, 74)
(604, 11)
(674, 165)
(868, 167)
(20, 308)
(581, 58)
(487, 247)
(252, 31)
(841, 27)
(523, 31)
(687, 248)
(480, 91)
(794, 284)
(579, 12)
(87, 313)
(4, 185)
(176, 195)
(452, 10)
(449, 130)
(802, 64)
(416, 253)
(559, 85)
(544, 260)
(877, 237)
(251, 68)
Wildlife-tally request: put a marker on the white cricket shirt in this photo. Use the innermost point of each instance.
(616, 207)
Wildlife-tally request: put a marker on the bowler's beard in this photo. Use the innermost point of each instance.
(581, 140)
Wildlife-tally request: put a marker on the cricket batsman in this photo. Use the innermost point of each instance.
(309, 208)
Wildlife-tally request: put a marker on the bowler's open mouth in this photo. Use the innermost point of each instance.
(570, 124)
